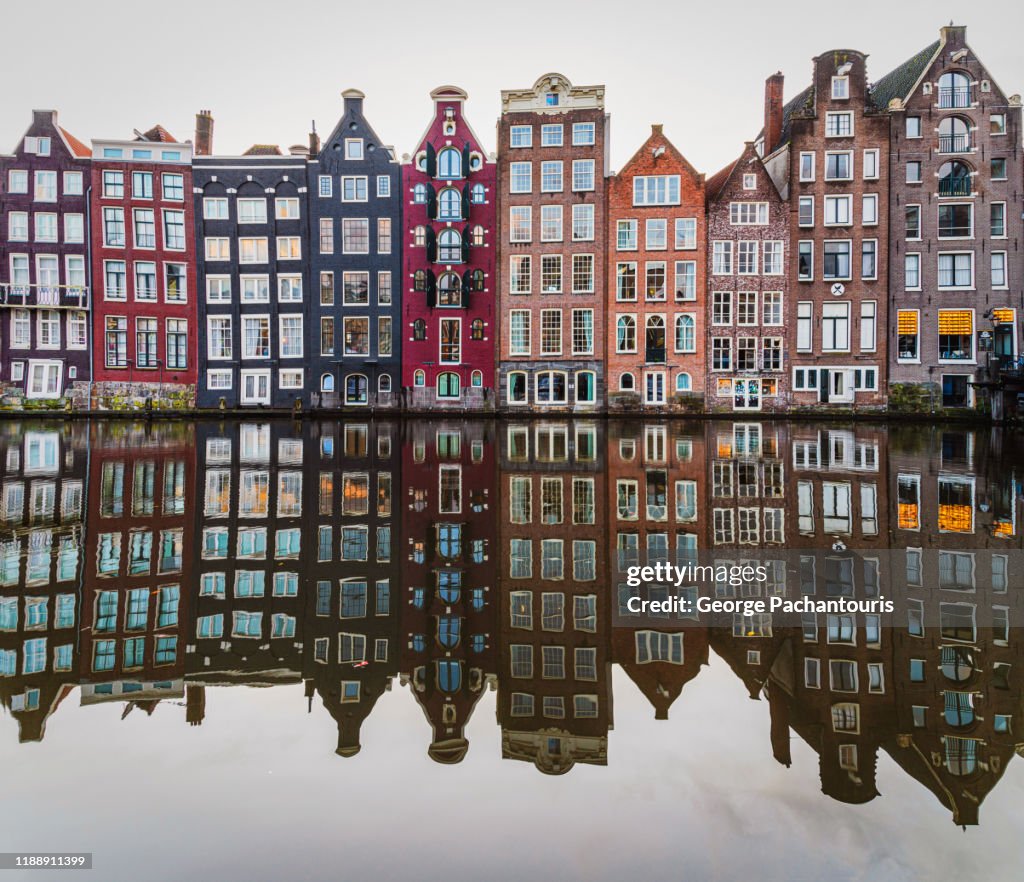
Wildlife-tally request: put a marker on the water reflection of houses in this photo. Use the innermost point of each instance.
(41, 531)
(248, 605)
(351, 569)
(449, 567)
(555, 704)
(957, 659)
(657, 491)
(138, 555)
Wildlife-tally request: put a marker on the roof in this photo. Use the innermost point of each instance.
(715, 183)
(77, 147)
(157, 133)
(901, 80)
(263, 150)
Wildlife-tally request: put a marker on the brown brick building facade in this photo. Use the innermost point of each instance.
(656, 281)
(552, 147)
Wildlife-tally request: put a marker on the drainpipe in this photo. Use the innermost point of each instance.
(90, 327)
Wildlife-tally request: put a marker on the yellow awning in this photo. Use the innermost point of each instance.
(1003, 316)
(956, 321)
(906, 322)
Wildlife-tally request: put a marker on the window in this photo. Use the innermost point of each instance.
(721, 353)
(551, 176)
(912, 272)
(582, 175)
(721, 259)
(869, 209)
(836, 260)
(835, 327)
(521, 136)
(746, 257)
(685, 233)
(625, 334)
(907, 335)
(998, 168)
(17, 181)
(551, 332)
(871, 164)
(748, 213)
(956, 270)
(520, 223)
(997, 219)
(999, 279)
(551, 273)
(626, 235)
(805, 261)
(806, 166)
(145, 343)
(840, 88)
(550, 223)
(839, 166)
(838, 124)
(956, 335)
(721, 310)
(805, 215)
(116, 345)
(869, 259)
(355, 235)
(656, 190)
(913, 127)
(657, 234)
(686, 339)
(177, 344)
(354, 188)
(582, 273)
(582, 134)
(868, 331)
(686, 279)
(113, 227)
(219, 337)
(520, 177)
(255, 337)
(914, 172)
(582, 223)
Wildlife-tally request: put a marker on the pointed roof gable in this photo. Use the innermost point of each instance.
(718, 181)
(157, 133)
(903, 79)
(657, 133)
(76, 147)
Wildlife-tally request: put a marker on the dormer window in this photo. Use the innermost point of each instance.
(354, 148)
(750, 182)
(551, 99)
(840, 88)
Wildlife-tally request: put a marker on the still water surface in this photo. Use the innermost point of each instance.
(358, 649)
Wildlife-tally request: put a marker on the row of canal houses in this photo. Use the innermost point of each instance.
(862, 251)
(157, 563)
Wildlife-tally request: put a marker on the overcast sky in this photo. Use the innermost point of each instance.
(267, 68)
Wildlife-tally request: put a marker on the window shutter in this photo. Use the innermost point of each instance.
(465, 202)
(467, 279)
(465, 160)
(431, 161)
(431, 289)
(465, 245)
(431, 202)
(465, 296)
(431, 245)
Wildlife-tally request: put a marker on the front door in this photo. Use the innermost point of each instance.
(747, 394)
(1003, 345)
(841, 388)
(255, 387)
(654, 392)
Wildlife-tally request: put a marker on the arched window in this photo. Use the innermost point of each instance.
(476, 329)
(550, 388)
(477, 379)
(586, 387)
(419, 330)
(449, 163)
(448, 631)
(954, 89)
(384, 384)
(683, 382)
(419, 194)
(449, 676)
(478, 279)
(449, 290)
(517, 387)
(625, 334)
(355, 389)
(419, 280)
(954, 178)
(327, 383)
(627, 382)
(954, 135)
(419, 236)
(478, 194)
(449, 204)
(654, 340)
(686, 338)
(449, 247)
(419, 378)
(448, 385)
(477, 239)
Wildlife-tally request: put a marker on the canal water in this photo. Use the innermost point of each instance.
(387, 649)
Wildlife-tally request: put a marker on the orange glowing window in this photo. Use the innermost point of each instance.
(955, 518)
(909, 516)
(1003, 529)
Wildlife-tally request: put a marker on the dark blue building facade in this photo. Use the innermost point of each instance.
(252, 241)
(354, 340)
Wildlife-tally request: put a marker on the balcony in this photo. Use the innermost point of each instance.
(960, 143)
(955, 186)
(44, 296)
(956, 96)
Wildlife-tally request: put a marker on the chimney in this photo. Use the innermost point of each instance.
(353, 101)
(773, 111)
(314, 143)
(203, 145)
(657, 128)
